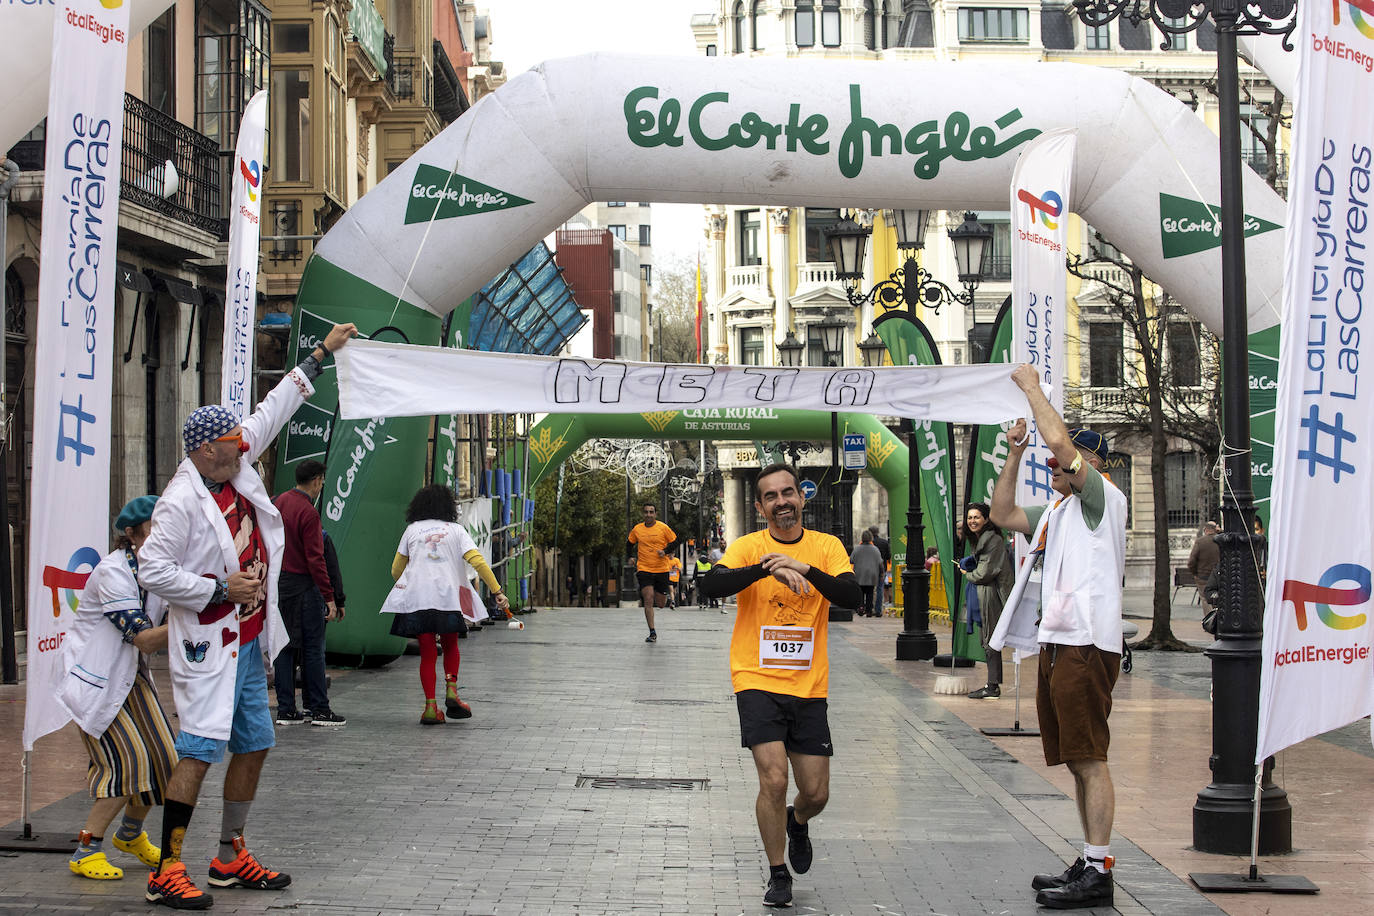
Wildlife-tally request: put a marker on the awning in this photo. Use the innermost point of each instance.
(528, 309)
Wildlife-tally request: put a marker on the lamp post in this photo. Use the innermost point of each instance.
(1222, 815)
(831, 334)
(911, 285)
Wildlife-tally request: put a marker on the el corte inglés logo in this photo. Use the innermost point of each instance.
(1189, 226)
(437, 193)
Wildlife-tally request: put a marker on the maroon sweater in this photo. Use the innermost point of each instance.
(304, 552)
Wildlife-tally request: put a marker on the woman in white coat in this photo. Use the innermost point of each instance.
(432, 598)
(109, 691)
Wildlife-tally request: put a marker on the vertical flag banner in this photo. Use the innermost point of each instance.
(1315, 667)
(70, 531)
(245, 228)
(1040, 197)
(700, 307)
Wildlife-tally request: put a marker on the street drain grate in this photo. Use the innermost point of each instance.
(677, 702)
(638, 782)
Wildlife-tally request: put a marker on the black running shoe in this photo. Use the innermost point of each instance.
(798, 844)
(1091, 888)
(1041, 882)
(292, 717)
(327, 719)
(652, 637)
(779, 892)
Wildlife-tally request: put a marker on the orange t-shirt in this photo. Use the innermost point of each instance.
(650, 541)
(769, 603)
(675, 573)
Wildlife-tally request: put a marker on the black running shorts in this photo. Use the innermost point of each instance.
(659, 581)
(800, 724)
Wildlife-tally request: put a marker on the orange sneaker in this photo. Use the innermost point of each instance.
(174, 889)
(245, 871)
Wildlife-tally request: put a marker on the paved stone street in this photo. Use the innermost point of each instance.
(498, 814)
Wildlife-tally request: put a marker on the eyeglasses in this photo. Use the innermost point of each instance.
(237, 439)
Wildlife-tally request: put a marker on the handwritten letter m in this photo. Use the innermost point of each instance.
(574, 379)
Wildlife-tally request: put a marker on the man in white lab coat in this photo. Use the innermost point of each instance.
(213, 555)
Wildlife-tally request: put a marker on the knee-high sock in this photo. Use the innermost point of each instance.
(429, 654)
(176, 816)
(451, 655)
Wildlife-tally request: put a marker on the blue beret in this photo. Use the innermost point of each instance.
(206, 424)
(135, 512)
(1092, 441)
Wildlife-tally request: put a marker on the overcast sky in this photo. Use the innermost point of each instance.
(525, 32)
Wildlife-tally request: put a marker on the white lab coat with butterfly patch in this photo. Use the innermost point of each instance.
(190, 546)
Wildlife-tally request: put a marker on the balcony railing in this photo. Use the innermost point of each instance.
(413, 81)
(151, 139)
(815, 273)
(750, 277)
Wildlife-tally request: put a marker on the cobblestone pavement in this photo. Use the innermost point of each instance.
(501, 814)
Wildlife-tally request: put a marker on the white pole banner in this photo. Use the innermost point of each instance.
(240, 311)
(400, 380)
(70, 489)
(1040, 196)
(1315, 669)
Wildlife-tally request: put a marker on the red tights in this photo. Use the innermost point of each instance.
(429, 654)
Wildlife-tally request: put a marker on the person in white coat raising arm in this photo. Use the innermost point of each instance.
(213, 555)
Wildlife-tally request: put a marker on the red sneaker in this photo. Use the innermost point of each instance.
(174, 889)
(245, 871)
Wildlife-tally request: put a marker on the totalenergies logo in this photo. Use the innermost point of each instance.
(1048, 205)
(1323, 595)
(70, 580)
(1359, 9)
(252, 177)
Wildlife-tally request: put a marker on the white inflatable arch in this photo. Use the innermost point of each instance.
(790, 133)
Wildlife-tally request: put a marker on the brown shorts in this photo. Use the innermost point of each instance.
(1074, 698)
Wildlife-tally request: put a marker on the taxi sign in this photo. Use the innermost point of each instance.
(855, 451)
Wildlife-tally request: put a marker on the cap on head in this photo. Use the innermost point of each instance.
(1091, 441)
(135, 512)
(206, 424)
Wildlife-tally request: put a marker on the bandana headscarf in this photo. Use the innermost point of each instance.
(206, 424)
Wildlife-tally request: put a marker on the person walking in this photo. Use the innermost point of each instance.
(307, 601)
(786, 577)
(703, 566)
(885, 549)
(213, 555)
(1203, 558)
(108, 690)
(432, 599)
(649, 542)
(868, 570)
(990, 578)
(1071, 583)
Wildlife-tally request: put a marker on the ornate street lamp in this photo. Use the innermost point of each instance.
(872, 350)
(910, 286)
(790, 351)
(1222, 816)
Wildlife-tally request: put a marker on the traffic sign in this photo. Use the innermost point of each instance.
(808, 489)
(855, 451)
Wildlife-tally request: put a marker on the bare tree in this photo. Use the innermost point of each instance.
(675, 309)
(1167, 357)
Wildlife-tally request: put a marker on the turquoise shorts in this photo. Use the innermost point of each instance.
(252, 729)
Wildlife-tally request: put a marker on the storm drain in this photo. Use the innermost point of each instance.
(639, 782)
